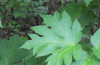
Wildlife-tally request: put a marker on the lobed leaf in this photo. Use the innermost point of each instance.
(65, 54)
(87, 60)
(60, 39)
(95, 40)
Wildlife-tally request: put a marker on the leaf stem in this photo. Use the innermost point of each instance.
(91, 55)
(6, 3)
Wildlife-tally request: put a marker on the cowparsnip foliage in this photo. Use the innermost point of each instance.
(95, 40)
(60, 36)
(61, 40)
(10, 52)
(87, 60)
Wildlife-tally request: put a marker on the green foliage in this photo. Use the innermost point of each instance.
(69, 37)
(87, 60)
(61, 35)
(73, 10)
(87, 2)
(10, 52)
(96, 43)
(86, 17)
(33, 61)
(16, 13)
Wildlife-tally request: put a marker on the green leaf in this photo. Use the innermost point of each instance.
(10, 4)
(10, 52)
(86, 17)
(73, 10)
(33, 61)
(16, 14)
(86, 29)
(60, 55)
(58, 37)
(84, 44)
(96, 52)
(95, 40)
(87, 60)
(76, 49)
(65, 54)
(87, 2)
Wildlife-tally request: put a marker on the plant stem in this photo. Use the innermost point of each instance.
(6, 3)
(91, 55)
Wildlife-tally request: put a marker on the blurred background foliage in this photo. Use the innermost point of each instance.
(19, 15)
